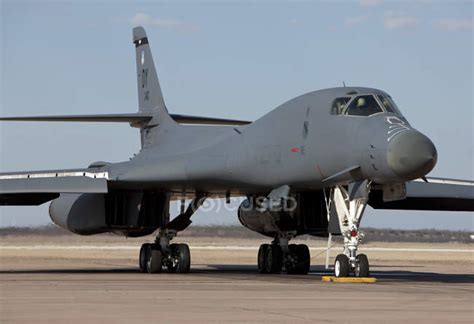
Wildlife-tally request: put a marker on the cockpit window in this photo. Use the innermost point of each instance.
(338, 105)
(388, 104)
(363, 106)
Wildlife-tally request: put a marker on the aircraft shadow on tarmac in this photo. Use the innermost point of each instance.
(245, 270)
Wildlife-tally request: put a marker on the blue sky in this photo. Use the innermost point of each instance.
(236, 59)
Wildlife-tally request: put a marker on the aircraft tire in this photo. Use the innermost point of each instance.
(184, 258)
(291, 266)
(362, 266)
(172, 267)
(274, 259)
(301, 259)
(262, 258)
(304, 258)
(341, 266)
(142, 259)
(154, 259)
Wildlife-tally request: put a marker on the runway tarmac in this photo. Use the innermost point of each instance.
(105, 286)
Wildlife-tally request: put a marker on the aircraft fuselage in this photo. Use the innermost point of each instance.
(300, 144)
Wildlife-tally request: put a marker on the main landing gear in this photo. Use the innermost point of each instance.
(161, 254)
(349, 205)
(156, 256)
(279, 256)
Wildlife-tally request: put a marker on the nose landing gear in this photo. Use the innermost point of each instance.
(349, 206)
(361, 268)
(343, 266)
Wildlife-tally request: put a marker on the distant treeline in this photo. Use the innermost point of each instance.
(371, 234)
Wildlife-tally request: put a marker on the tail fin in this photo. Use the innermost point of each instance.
(150, 98)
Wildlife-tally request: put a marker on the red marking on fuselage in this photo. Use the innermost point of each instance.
(320, 172)
(295, 150)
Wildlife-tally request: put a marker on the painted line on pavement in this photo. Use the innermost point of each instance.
(211, 247)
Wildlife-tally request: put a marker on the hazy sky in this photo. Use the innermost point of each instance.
(236, 59)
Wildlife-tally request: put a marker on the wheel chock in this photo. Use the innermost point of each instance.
(349, 279)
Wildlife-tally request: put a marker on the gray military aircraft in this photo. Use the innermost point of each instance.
(310, 166)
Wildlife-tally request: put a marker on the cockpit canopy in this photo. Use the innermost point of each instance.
(364, 105)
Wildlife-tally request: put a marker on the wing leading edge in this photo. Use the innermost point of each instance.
(36, 188)
(436, 194)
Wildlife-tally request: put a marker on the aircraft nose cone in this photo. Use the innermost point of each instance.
(411, 155)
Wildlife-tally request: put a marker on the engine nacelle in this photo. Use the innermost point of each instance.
(130, 213)
(305, 215)
(263, 222)
(79, 213)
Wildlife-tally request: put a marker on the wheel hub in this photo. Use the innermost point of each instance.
(337, 268)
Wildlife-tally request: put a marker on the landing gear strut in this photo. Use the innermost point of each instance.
(161, 254)
(279, 256)
(349, 205)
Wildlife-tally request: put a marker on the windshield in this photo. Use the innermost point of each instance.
(339, 104)
(365, 105)
(388, 104)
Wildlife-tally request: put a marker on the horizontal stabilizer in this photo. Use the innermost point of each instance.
(186, 119)
(135, 119)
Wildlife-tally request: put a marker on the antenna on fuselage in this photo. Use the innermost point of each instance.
(344, 84)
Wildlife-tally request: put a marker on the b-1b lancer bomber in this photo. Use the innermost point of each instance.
(310, 166)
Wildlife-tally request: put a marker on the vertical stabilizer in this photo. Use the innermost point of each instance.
(150, 98)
